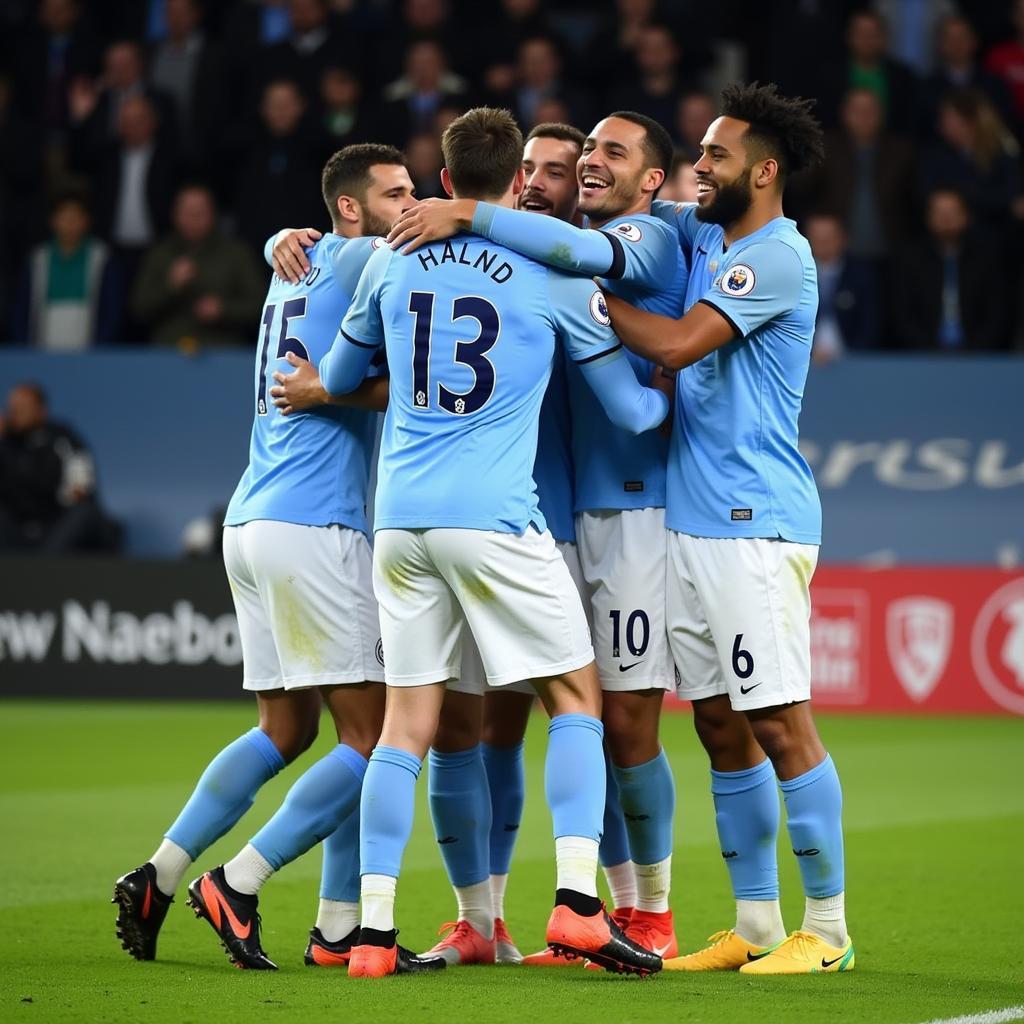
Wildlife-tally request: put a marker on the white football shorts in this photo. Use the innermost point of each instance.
(304, 600)
(472, 678)
(514, 592)
(622, 555)
(739, 615)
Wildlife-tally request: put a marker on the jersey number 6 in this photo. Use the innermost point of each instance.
(469, 353)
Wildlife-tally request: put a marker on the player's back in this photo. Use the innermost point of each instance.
(309, 468)
(470, 339)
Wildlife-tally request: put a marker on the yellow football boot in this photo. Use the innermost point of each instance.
(803, 953)
(727, 952)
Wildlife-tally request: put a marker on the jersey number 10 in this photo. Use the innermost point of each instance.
(469, 353)
(293, 309)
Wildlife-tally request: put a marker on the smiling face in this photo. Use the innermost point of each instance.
(550, 166)
(724, 192)
(614, 172)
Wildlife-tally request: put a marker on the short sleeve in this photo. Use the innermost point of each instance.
(643, 248)
(682, 218)
(764, 280)
(581, 318)
(348, 261)
(363, 324)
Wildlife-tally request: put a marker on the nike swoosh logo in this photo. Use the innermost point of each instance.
(751, 957)
(147, 901)
(811, 852)
(661, 950)
(213, 898)
(747, 689)
(829, 963)
(447, 840)
(626, 668)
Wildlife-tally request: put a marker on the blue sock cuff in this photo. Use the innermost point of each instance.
(265, 745)
(730, 783)
(807, 778)
(639, 769)
(502, 755)
(458, 759)
(576, 720)
(351, 759)
(399, 758)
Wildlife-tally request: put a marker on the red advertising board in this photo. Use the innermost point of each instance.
(918, 640)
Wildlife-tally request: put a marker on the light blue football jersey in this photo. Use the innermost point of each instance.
(470, 329)
(309, 468)
(614, 469)
(553, 471)
(735, 469)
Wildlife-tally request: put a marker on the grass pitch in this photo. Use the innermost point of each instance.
(935, 846)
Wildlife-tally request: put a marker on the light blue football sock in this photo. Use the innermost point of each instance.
(747, 816)
(814, 812)
(574, 776)
(647, 793)
(614, 848)
(460, 806)
(315, 806)
(225, 791)
(506, 780)
(386, 810)
(339, 877)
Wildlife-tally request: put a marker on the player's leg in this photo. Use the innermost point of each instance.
(506, 716)
(742, 779)
(460, 806)
(228, 786)
(760, 621)
(313, 584)
(421, 630)
(622, 555)
(527, 618)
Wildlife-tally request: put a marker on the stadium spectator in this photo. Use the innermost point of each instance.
(57, 51)
(1006, 60)
(655, 86)
(616, 40)
(681, 184)
(71, 295)
(498, 39)
(957, 67)
(421, 19)
(913, 29)
(279, 181)
(867, 178)
(413, 100)
(188, 67)
(345, 118)
(868, 67)
(423, 152)
(849, 305)
(948, 301)
(539, 71)
(48, 498)
(314, 43)
(96, 105)
(696, 110)
(198, 287)
(135, 188)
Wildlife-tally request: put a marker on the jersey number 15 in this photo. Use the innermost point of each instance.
(292, 309)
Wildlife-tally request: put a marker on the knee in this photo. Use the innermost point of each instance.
(456, 732)
(727, 738)
(360, 736)
(630, 740)
(294, 736)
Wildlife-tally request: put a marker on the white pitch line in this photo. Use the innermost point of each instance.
(991, 1017)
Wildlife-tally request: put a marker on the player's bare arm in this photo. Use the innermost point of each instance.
(430, 220)
(670, 343)
(289, 253)
(302, 389)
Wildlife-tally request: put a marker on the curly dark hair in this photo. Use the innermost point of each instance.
(783, 127)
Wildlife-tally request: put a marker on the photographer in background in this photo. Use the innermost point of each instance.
(48, 500)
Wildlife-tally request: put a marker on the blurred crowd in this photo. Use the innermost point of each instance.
(149, 147)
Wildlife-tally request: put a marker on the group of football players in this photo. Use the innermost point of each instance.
(587, 493)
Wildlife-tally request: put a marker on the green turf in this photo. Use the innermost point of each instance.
(935, 834)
